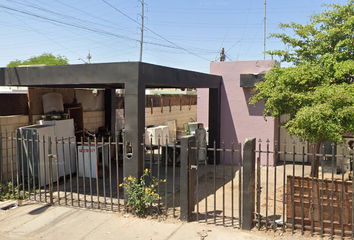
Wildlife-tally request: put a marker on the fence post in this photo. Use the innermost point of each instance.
(1, 173)
(249, 189)
(187, 177)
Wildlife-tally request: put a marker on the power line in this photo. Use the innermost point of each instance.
(155, 32)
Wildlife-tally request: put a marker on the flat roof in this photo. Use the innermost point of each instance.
(106, 75)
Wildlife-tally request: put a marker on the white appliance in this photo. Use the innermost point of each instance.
(153, 134)
(87, 155)
(35, 154)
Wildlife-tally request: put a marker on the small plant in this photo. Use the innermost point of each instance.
(6, 192)
(141, 194)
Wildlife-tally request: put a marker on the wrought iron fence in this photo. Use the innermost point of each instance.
(226, 184)
(85, 174)
(322, 205)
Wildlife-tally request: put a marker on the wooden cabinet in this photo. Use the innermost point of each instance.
(77, 114)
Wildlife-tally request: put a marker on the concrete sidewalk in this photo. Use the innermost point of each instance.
(32, 220)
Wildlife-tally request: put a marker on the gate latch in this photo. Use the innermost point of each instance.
(194, 167)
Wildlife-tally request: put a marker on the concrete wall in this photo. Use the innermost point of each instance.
(239, 120)
(10, 124)
(91, 100)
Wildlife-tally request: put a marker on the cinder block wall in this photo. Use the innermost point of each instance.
(93, 120)
(156, 118)
(8, 125)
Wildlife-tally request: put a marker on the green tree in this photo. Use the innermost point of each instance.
(317, 90)
(46, 58)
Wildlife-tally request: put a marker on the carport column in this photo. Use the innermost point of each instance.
(187, 177)
(248, 199)
(134, 110)
(214, 122)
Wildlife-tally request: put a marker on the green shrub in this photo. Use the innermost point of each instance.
(141, 194)
(6, 192)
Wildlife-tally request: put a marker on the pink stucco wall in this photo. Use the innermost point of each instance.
(239, 120)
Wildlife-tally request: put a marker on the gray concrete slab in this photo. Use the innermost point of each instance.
(39, 221)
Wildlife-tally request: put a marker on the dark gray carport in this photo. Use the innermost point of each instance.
(134, 77)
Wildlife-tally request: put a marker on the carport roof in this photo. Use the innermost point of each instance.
(106, 75)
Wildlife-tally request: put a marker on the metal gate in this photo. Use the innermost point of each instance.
(83, 174)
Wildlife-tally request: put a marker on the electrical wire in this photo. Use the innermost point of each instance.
(156, 33)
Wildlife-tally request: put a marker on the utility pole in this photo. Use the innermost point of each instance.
(142, 31)
(264, 40)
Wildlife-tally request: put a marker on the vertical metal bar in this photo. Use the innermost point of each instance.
(232, 183)
(28, 165)
(6, 157)
(23, 135)
(77, 171)
(71, 172)
(293, 193)
(275, 183)
(97, 186)
(158, 173)
(174, 178)
(151, 156)
(45, 172)
(214, 182)
(206, 182)
(224, 182)
(39, 168)
(64, 169)
(117, 170)
(267, 183)
(17, 165)
(303, 191)
(312, 188)
(332, 190)
(342, 203)
(239, 185)
(197, 180)
(110, 172)
(33, 168)
(1, 162)
(57, 168)
(166, 163)
(50, 160)
(284, 183)
(104, 176)
(83, 171)
(322, 179)
(90, 162)
(144, 151)
(12, 164)
(259, 189)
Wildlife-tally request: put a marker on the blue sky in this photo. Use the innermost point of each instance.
(185, 34)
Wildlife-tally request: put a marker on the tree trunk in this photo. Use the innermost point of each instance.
(316, 161)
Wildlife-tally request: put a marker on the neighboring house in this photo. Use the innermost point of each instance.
(239, 120)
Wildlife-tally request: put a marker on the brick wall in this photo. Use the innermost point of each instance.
(93, 120)
(8, 125)
(157, 118)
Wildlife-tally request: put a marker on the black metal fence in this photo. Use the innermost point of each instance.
(241, 186)
(86, 174)
(289, 195)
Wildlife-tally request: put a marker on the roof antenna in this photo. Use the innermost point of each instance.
(222, 55)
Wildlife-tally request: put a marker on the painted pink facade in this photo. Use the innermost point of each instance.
(239, 120)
